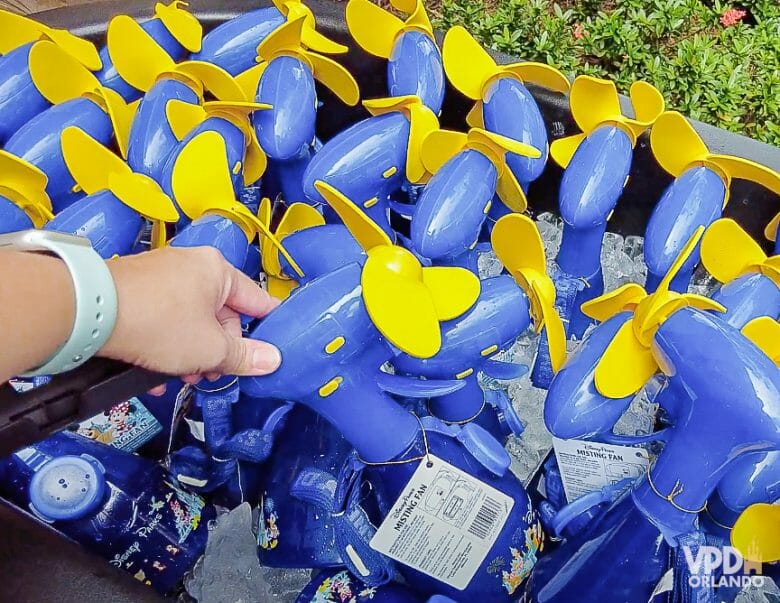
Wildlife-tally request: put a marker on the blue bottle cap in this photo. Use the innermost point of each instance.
(68, 487)
(484, 448)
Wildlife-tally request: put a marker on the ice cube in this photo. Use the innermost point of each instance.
(284, 585)
(634, 247)
(229, 570)
(488, 265)
(768, 592)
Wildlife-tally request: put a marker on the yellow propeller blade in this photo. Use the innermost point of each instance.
(201, 176)
(542, 74)
(120, 113)
(201, 184)
(19, 30)
(135, 54)
(335, 77)
(297, 217)
(401, 307)
(181, 24)
(562, 150)
(764, 331)
(25, 185)
(440, 146)
(756, 533)
(216, 80)
(625, 366)
(89, 162)
(311, 38)
(467, 64)
(280, 288)
(255, 159)
(510, 192)
(727, 251)
(144, 195)
(608, 305)
(556, 333)
(484, 140)
(249, 80)
(366, 232)
(57, 75)
(453, 290)
(770, 232)
(676, 145)
(595, 102)
(373, 28)
(183, 116)
(475, 118)
(285, 38)
(418, 18)
(422, 122)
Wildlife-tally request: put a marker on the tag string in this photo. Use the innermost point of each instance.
(425, 455)
(716, 522)
(677, 489)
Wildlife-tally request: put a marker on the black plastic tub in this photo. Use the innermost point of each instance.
(36, 564)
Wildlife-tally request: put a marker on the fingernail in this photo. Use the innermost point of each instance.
(266, 357)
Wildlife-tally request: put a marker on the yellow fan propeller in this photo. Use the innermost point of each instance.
(18, 30)
(770, 232)
(764, 332)
(289, 39)
(298, 216)
(472, 71)
(405, 300)
(727, 252)
(756, 533)
(376, 30)
(678, 147)
(422, 121)
(182, 25)
(59, 77)
(201, 184)
(25, 185)
(595, 102)
(629, 360)
(519, 247)
(95, 168)
(141, 61)
(441, 145)
(311, 38)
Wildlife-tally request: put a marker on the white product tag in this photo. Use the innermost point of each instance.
(665, 584)
(444, 523)
(589, 466)
(197, 429)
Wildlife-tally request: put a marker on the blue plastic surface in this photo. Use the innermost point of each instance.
(38, 142)
(510, 110)
(693, 199)
(355, 161)
(233, 44)
(68, 488)
(20, 100)
(453, 206)
(110, 78)
(287, 129)
(218, 232)
(151, 138)
(111, 226)
(12, 217)
(415, 68)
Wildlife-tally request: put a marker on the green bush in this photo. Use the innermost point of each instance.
(728, 76)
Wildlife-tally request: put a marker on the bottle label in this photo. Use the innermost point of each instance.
(126, 426)
(589, 466)
(444, 523)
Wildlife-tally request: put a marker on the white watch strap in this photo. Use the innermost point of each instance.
(96, 300)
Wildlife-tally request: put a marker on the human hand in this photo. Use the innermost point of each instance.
(179, 314)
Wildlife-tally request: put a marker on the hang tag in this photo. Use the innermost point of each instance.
(444, 523)
(126, 426)
(589, 466)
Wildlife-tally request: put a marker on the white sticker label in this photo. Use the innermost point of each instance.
(589, 466)
(444, 523)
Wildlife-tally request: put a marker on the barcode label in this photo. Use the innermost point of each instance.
(444, 523)
(486, 518)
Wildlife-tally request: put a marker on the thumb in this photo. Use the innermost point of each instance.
(249, 357)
